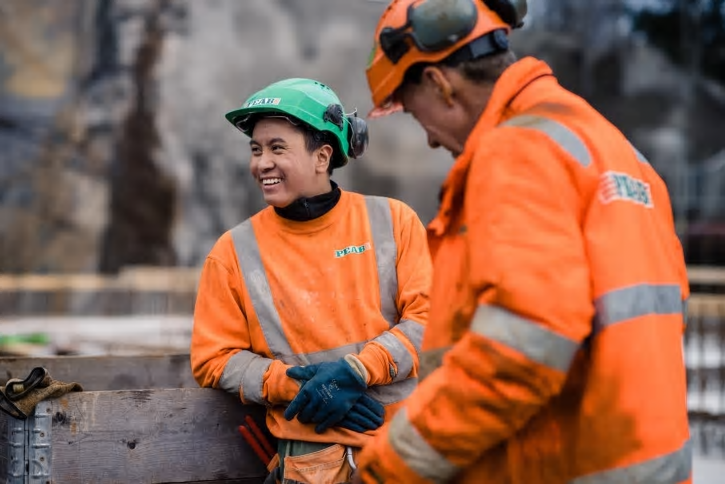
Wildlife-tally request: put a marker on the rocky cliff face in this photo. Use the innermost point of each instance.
(114, 146)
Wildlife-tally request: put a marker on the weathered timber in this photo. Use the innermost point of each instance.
(706, 305)
(97, 373)
(143, 437)
(701, 275)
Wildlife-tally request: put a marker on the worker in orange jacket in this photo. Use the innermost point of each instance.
(315, 306)
(553, 352)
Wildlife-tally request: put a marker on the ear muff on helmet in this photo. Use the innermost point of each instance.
(511, 11)
(357, 136)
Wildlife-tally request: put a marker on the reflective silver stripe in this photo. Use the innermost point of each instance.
(670, 468)
(386, 255)
(559, 133)
(401, 356)
(332, 354)
(630, 302)
(533, 340)
(393, 393)
(412, 330)
(255, 281)
(245, 370)
(417, 454)
(400, 353)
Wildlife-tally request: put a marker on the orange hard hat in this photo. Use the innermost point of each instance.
(413, 31)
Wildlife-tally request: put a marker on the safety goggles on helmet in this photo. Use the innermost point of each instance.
(432, 25)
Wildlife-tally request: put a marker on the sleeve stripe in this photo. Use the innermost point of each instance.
(631, 302)
(533, 340)
(417, 454)
(244, 373)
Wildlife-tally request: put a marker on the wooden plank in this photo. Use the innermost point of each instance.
(151, 437)
(108, 372)
(706, 275)
(706, 305)
(167, 279)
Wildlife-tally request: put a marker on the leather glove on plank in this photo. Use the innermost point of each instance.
(18, 398)
(329, 395)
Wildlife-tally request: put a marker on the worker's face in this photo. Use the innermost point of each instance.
(432, 103)
(282, 166)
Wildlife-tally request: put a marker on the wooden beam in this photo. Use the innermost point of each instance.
(107, 372)
(140, 279)
(706, 275)
(706, 305)
(152, 436)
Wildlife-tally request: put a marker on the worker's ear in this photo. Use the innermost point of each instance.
(323, 158)
(440, 83)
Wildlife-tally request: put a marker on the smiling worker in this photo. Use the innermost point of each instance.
(314, 306)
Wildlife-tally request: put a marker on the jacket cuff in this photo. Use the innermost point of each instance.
(359, 368)
(278, 388)
(378, 463)
(376, 360)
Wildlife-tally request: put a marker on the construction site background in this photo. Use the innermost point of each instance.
(118, 170)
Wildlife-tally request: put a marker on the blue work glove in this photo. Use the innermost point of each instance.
(328, 396)
(366, 414)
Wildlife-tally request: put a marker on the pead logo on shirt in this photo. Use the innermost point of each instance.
(620, 186)
(353, 249)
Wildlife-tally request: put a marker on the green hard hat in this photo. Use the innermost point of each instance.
(310, 102)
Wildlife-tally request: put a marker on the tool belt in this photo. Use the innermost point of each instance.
(299, 462)
(314, 463)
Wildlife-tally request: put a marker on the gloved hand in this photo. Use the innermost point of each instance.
(366, 414)
(18, 398)
(329, 394)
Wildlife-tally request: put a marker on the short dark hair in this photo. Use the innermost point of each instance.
(481, 70)
(315, 139)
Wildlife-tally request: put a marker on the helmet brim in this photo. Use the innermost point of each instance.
(386, 110)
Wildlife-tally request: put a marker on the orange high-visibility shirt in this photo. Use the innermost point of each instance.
(554, 345)
(275, 293)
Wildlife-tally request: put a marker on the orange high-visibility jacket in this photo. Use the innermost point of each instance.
(274, 293)
(554, 345)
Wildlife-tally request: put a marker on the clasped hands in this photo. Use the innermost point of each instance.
(333, 395)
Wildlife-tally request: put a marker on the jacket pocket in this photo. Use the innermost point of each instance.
(326, 466)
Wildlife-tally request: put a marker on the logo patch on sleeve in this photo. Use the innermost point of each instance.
(621, 186)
